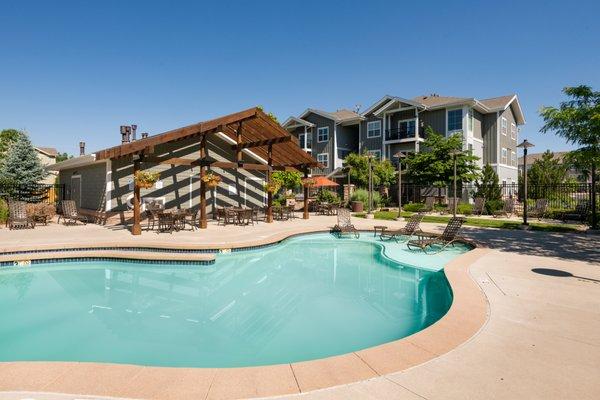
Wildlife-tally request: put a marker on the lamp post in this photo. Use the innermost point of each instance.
(370, 205)
(455, 153)
(400, 155)
(525, 145)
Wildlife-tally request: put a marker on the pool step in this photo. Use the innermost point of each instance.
(151, 256)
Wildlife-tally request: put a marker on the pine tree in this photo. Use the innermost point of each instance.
(21, 164)
(489, 187)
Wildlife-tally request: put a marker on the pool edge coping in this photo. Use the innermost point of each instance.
(465, 318)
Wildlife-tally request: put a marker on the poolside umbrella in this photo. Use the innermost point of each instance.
(323, 181)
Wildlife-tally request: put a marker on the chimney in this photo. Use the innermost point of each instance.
(144, 135)
(124, 136)
(133, 129)
(82, 148)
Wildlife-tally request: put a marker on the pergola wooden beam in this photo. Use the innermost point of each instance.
(261, 143)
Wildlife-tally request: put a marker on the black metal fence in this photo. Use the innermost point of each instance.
(560, 197)
(38, 193)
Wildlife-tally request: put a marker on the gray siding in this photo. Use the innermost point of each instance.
(505, 140)
(490, 138)
(399, 116)
(181, 184)
(347, 138)
(323, 147)
(435, 119)
(477, 124)
(367, 144)
(93, 185)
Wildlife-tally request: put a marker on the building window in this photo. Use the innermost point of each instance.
(406, 128)
(373, 129)
(375, 154)
(323, 158)
(504, 125)
(455, 120)
(513, 131)
(343, 153)
(513, 158)
(470, 119)
(504, 159)
(323, 134)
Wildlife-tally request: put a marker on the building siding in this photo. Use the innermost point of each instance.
(490, 138)
(93, 185)
(323, 147)
(435, 119)
(366, 143)
(477, 125)
(181, 183)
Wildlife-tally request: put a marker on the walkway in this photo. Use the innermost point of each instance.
(541, 340)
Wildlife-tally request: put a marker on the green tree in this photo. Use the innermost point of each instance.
(488, 186)
(289, 180)
(21, 163)
(578, 121)
(383, 170)
(62, 157)
(434, 164)
(546, 171)
(7, 138)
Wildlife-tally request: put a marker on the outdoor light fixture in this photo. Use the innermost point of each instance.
(400, 155)
(525, 145)
(454, 154)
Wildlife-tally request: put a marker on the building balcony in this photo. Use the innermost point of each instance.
(400, 134)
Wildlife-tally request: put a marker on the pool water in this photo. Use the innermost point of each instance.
(308, 297)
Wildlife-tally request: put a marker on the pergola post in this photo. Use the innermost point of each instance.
(136, 228)
(269, 193)
(306, 189)
(203, 221)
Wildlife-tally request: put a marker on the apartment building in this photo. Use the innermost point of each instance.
(490, 129)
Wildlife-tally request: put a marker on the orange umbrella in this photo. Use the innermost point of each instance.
(322, 181)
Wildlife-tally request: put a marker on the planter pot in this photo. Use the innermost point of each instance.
(145, 185)
(357, 206)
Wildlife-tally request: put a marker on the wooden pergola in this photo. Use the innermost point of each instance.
(249, 129)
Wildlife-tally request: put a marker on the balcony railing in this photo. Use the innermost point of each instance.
(399, 134)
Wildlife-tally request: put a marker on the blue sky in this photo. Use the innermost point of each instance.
(74, 71)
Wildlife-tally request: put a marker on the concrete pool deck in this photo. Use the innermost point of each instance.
(511, 332)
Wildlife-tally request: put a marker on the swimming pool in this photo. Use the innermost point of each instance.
(309, 297)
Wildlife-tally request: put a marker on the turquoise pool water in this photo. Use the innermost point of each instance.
(309, 297)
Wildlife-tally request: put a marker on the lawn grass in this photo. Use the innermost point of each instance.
(479, 222)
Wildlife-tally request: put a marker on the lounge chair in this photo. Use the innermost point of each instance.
(580, 213)
(539, 210)
(478, 206)
(508, 209)
(70, 214)
(411, 227)
(17, 216)
(344, 224)
(426, 241)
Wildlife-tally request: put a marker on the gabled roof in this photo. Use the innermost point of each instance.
(502, 103)
(387, 100)
(49, 151)
(498, 102)
(397, 100)
(293, 121)
(438, 101)
(339, 116)
(258, 130)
